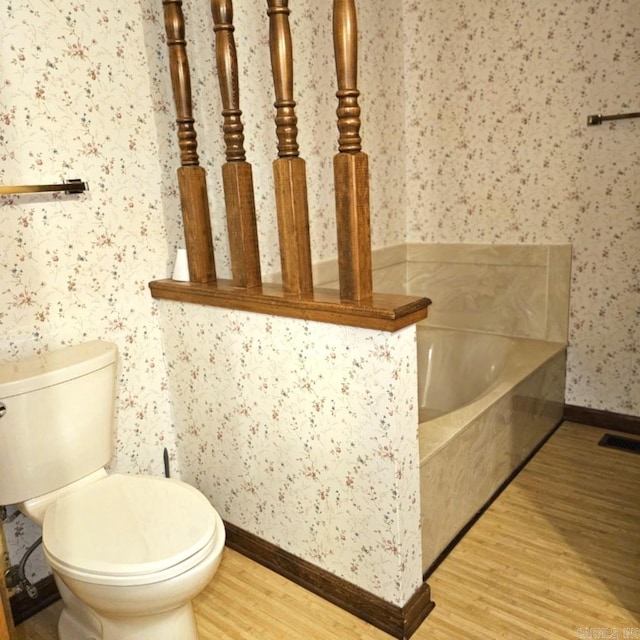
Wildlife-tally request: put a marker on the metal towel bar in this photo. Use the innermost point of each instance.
(70, 186)
(599, 119)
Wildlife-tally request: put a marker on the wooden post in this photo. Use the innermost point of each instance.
(289, 169)
(237, 177)
(350, 165)
(192, 180)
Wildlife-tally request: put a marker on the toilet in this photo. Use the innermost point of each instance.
(128, 552)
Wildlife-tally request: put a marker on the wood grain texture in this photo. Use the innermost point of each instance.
(191, 177)
(345, 43)
(557, 554)
(384, 312)
(350, 166)
(237, 175)
(290, 184)
(289, 170)
(351, 171)
(400, 622)
(180, 81)
(194, 200)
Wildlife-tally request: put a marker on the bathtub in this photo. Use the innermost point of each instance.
(486, 402)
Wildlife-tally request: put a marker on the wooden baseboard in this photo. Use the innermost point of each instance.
(23, 607)
(400, 622)
(602, 419)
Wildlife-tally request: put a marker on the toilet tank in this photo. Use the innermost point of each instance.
(57, 422)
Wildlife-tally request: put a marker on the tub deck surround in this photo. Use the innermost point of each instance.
(473, 449)
(460, 373)
(517, 290)
(382, 311)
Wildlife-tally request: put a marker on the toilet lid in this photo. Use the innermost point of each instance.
(128, 525)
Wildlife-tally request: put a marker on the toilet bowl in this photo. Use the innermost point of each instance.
(133, 551)
(128, 552)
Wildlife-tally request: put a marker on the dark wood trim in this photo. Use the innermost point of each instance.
(23, 607)
(385, 312)
(400, 622)
(602, 419)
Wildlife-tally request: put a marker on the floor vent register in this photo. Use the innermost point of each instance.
(620, 442)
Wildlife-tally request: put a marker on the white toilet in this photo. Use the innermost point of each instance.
(128, 553)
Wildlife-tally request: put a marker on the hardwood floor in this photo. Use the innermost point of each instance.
(556, 556)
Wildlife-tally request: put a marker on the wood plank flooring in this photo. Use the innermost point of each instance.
(556, 556)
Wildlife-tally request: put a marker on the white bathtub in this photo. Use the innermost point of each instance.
(486, 401)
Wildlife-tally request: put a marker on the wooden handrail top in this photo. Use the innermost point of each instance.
(384, 312)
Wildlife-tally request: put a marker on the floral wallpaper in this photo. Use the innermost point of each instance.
(76, 103)
(498, 150)
(474, 119)
(86, 94)
(304, 434)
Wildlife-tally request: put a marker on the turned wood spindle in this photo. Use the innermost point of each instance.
(237, 174)
(289, 169)
(346, 53)
(227, 66)
(191, 177)
(282, 65)
(181, 81)
(350, 165)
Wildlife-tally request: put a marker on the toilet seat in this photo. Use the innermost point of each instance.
(129, 530)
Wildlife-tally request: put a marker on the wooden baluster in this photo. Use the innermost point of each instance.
(350, 165)
(289, 170)
(192, 180)
(237, 175)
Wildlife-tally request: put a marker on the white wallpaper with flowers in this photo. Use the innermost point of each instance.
(304, 434)
(75, 102)
(499, 151)
(86, 94)
(474, 120)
